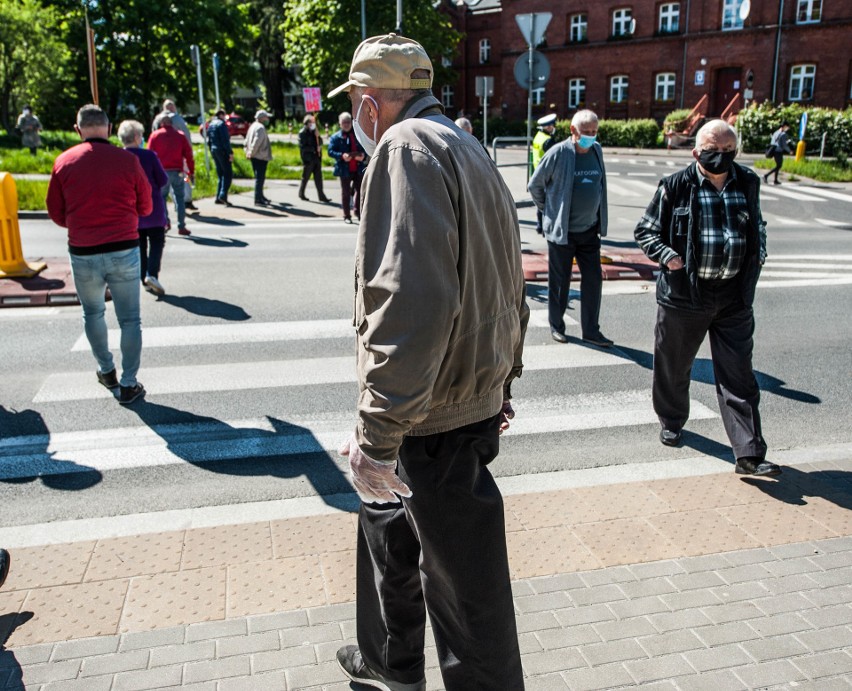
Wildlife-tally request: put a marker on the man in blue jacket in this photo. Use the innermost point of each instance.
(569, 188)
(350, 162)
(219, 140)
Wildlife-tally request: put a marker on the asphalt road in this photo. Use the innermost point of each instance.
(248, 364)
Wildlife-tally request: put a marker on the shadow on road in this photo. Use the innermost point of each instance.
(796, 486)
(214, 220)
(216, 242)
(206, 307)
(286, 451)
(10, 668)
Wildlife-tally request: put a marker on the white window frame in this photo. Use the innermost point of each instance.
(731, 20)
(579, 28)
(538, 96)
(618, 85)
(812, 10)
(802, 77)
(448, 96)
(484, 50)
(621, 19)
(576, 92)
(669, 22)
(667, 82)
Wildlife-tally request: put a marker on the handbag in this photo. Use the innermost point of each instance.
(770, 151)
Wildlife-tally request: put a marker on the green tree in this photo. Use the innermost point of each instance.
(143, 52)
(320, 36)
(34, 59)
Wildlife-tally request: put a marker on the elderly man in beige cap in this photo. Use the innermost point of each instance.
(440, 316)
(259, 152)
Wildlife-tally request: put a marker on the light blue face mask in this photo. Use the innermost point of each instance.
(586, 140)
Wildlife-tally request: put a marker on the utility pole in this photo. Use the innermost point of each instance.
(195, 54)
(216, 78)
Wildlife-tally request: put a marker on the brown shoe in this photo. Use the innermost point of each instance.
(108, 379)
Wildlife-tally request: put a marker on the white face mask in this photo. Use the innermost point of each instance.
(368, 144)
(312, 126)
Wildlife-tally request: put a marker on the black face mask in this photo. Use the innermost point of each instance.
(716, 162)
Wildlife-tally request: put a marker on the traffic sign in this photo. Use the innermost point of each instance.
(533, 25)
(484, 85)
(803, 125)
(540, 70)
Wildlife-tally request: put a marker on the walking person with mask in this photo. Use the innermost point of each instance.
(778, 146)
(310, 149)
(350, 164)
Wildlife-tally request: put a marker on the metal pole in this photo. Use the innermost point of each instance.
(777, 48)
(216, 78)
(197, 51)
(485, 113)
(363, 20)
(685, 44)
(529, 99)
(398, 18)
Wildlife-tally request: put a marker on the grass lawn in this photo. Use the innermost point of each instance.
(821, 171)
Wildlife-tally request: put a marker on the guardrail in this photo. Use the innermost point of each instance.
(498, 141)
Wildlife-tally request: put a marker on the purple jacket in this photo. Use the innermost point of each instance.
(158, 179)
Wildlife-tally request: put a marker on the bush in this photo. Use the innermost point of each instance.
(635, 134)
(676, 120)
(757, 123)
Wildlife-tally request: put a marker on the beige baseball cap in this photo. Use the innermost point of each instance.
(387, 62)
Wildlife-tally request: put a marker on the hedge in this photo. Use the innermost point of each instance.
(757, 123)
(636, 134)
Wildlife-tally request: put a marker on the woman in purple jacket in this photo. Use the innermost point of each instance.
(152, 228)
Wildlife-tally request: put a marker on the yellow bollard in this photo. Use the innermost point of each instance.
(12, 262)
(800, 151)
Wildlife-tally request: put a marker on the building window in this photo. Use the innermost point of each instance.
(669, 17)
(621, 20)
(576, 92)
(538, 96)
(618, 88)
(802, 82)
(447, 96)
(446, 62)
(578, 28)
(809, 11)
(665, 87)
(731, 15)
(484, 51)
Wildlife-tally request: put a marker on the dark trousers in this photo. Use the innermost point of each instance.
(225, 171)
(312, 168)
(259, 168)
(443, 549)
(678, 336)
(779, 161)
(151, 243)
(350, 194)
(586, 247)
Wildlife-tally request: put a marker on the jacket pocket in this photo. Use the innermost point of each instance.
(680, 219)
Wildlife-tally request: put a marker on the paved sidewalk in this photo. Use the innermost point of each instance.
(688, 577)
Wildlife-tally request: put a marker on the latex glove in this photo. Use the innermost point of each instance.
(507, 412)
(375, 481)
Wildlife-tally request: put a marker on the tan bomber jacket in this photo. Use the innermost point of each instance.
(440, 310)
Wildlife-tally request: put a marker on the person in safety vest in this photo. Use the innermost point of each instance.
(542, 141)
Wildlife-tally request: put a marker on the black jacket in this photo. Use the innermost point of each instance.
(309, 140)
(679, 215)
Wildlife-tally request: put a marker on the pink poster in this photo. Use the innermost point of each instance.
(313, 99)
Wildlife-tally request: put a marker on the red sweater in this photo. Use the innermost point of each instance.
(173, 148)
(98, 192)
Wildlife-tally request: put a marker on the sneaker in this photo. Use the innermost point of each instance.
(108, 379)
(5, 562)
(129, 394)
(349, 659)
(152, 285)
(183, 230)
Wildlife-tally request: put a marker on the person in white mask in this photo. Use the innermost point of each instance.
(310, 149)
(440, 315)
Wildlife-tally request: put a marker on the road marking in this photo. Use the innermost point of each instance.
(539, 318)
(218, 440)
(798, 196)
(804, 283)
(831, 194)
(812, 257)
(834, 224)
(239, 376)
(798, 265)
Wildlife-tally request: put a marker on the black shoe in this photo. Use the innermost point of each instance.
(325, 200)
(218, 200)
(765, 179)
(558, 336)
(752, 465)
(191, 206)
(347, 219)
(599, 340)
(304, 198)
(776, 182)
(261, 202)
(5, 562)
(349, 659)
(130, 393)
(670, 437)
(108, 379)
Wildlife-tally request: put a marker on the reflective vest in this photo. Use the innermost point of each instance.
(538, 147)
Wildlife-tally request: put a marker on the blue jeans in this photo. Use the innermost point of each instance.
(225, 172)
(118, 271)
(175, 184)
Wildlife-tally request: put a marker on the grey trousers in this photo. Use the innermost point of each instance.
(444, 550)
(678, 336)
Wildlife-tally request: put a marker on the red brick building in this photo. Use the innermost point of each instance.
(645, 58)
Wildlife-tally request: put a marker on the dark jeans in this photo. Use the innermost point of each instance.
(225, 171)
(350, 192)
(779, 161)
(443, 549)
(586, 247)
(312, 168)
(677, 338)
(151, 243)
(259, 168)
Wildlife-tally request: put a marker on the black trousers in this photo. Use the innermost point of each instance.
(149, 259)
(678, 336)
(350, 194)
(259, 168)
(779, 161)
(586, 247)
(443, 549)
(312, 168)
